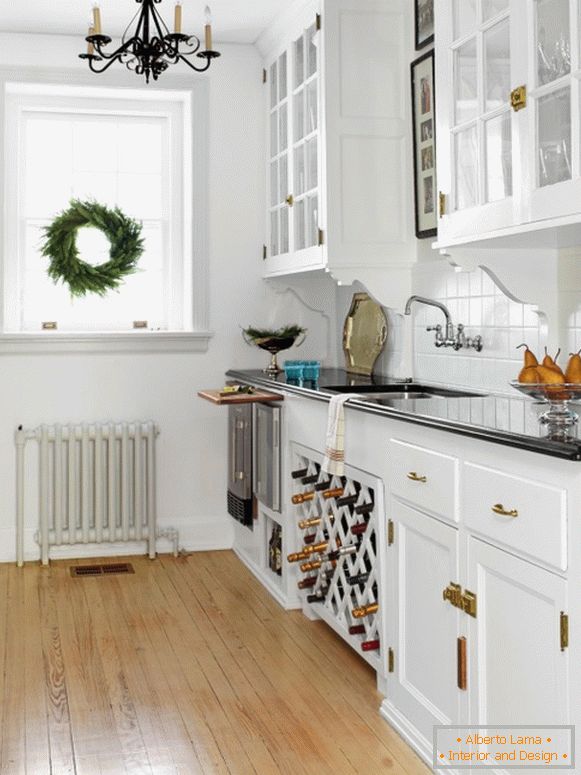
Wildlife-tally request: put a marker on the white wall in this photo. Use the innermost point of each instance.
(73, 387)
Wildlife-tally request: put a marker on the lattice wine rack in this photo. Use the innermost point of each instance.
(337, 519)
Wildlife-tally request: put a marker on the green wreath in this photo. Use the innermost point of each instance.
(66, 266)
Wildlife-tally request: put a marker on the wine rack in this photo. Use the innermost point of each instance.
(330, 521)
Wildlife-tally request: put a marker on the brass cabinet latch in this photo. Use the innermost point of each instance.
(518, 98)
(390, 660)
(462, 663)
(466, 601)
(564, 630)
(442, 204)
(390, 532)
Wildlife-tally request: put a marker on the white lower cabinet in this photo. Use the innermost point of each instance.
(518, 672)
(425, 559)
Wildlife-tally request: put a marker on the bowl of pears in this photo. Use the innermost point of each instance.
(547, 383)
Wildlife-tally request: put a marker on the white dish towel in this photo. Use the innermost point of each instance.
(334, 460)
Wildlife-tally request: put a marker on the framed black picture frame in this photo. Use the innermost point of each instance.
(424, 16)
(424, 145)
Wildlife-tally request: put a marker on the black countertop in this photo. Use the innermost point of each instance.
(503, 419)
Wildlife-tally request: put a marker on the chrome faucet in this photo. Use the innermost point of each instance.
(456, 339)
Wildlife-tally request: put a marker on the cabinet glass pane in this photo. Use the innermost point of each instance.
(282, 128)
(466, 82)
(497, 65)
(274, 133)
(554, 133)
(284, 246)
(491, 8)
(274, 233)
(312, 221)
(299, 49)
(300, 176)
(299, 100)
(273, 183)
(283, 187)
(312, 164)
(466, 156)
(273, 91)
(299, 219)
(553, 39)
(282, 78)
(498, 134)
(312, 107)
(311, 51)
(464, 17)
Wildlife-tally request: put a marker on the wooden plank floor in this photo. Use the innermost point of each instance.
(186, 667)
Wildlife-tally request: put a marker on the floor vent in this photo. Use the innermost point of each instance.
(102, 570)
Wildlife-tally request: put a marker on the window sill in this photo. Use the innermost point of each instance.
(105, 342)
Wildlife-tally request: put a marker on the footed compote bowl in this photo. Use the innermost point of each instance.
(274, 345)
(560, 418)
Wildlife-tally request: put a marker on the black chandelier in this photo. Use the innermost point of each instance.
(152, 48)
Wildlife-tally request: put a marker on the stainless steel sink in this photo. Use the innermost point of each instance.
(402, 391)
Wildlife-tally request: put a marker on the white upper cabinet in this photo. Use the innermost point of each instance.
(339, 160)
(507, 85)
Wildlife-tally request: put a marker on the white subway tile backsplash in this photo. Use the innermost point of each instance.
(475, 300)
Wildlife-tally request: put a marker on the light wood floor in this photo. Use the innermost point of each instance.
(186, 667)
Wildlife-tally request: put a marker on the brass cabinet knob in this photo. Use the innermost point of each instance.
(290, 200)
(498, 508)
(518, 98)
(416, 477)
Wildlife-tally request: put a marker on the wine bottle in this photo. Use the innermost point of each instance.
(359, 529)
(297, 556)
(357, 629)
(312, 522)
(299, 473)
(303, 497)
(365, 610)
(370, 645)
(347, 500)
(317, 596)
(307, 583)
(364, 508)
(342, 552)
(278, 551)
(336, 492)
(323, 485)
(360, 578)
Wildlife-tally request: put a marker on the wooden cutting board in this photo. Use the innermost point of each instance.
(239, 398)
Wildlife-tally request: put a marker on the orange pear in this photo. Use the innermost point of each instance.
(529, 375)
(529, 356)
(551, 363)
(573, 372)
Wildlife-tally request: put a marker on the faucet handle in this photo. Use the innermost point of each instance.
(437, 328)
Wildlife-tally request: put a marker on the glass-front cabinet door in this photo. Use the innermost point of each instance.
(477, 41)
(294, 192)
(553, 114)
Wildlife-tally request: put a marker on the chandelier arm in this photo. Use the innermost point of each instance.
(157, 19)
(106, 66)
(117, 53)
(197, 69)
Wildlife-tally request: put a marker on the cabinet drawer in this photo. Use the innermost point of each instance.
(427, 479)
(528, 516)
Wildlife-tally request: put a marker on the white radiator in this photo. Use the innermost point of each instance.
(96, 484)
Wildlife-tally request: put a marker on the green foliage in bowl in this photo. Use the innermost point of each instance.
(286, 332)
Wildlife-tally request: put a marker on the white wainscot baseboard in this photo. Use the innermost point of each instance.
(196, 535)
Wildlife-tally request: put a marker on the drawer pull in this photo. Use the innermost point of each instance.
(416, 477)
(499, 509)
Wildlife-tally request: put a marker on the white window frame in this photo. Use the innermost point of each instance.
(180, 99)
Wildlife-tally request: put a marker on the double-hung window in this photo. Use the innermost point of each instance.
(120, 147)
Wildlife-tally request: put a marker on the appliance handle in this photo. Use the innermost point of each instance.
(276, 458)
(233, 450)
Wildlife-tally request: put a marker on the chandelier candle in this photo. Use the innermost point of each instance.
(150, 48)
(96, 20)
(208, 28)
(90, 47)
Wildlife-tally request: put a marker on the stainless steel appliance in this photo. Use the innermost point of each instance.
(240, 463)
(267, 455)
(253, 459)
